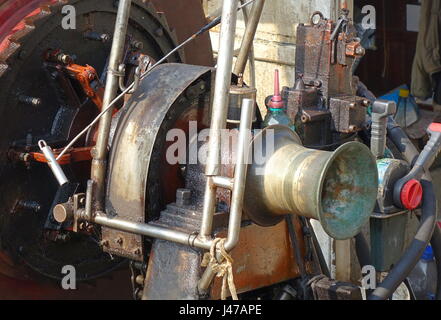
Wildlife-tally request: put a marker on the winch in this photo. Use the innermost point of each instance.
(146, 153)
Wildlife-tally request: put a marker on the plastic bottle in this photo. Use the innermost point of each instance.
(407, 111)
(423, 277)
(276, 108)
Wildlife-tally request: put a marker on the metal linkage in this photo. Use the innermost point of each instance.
(237, 184)
(52, 163)
(99, 162)
(248, 38)
(219, 110)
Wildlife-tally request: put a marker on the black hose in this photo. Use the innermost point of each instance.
(436, 246)
(427, 223)
(413, 253)
(402, 141)
(410, 154)
(362, 250)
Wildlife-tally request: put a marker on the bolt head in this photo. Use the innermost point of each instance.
(105, 37)
(360, 51)
(183, 197)
(61, 212)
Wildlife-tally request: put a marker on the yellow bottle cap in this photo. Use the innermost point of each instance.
(404, 93)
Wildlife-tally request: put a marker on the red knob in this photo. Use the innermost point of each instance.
(436, 127)
(412, 194)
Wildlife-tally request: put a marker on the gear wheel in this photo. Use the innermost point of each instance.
(22, 73)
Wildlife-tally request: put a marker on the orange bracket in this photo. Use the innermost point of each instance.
(84, 75)
(74, 155)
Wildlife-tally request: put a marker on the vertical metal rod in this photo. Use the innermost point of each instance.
(219, 108)
(222, 84)
(89, 194)
(240, 171)
(209, 208)
(248, 38)
(343, 260)
(100, 151)
(251, 56)
(242, 153)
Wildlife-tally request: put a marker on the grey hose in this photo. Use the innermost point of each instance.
(362, 250)
(427, 223)
(410, 154)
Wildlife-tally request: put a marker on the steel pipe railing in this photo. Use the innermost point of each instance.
(248, 38)
(219, 110)
(153, 231)
(99, 162)
(243, 145)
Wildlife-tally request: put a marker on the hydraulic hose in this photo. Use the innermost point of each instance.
(427, 222)
(410, 154)
(413, 253)
(402, 141)
(362, 250)
(436, 246)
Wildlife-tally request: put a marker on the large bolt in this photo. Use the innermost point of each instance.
(360, 51)
(159, 32)
(139, 280)
(29, 139)
(137, 45)
(183, 197)
(95, 36)
(366, 103)
(65, 58)
(33, 101)
(29, 205)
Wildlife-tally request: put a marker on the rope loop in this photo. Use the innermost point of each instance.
(223, 268)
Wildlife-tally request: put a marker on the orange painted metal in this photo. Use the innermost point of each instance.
(263, 257)
(85, 75)
(74, 155)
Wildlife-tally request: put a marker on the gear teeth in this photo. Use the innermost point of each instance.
(46, 9)
(16, 38)
(3, 68)
(9, 51)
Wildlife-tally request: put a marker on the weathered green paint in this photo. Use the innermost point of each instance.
(387, 241)
(349, 190)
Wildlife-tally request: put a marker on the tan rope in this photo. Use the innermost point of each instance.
(222, 269)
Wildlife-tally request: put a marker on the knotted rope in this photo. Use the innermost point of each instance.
(223, 268)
